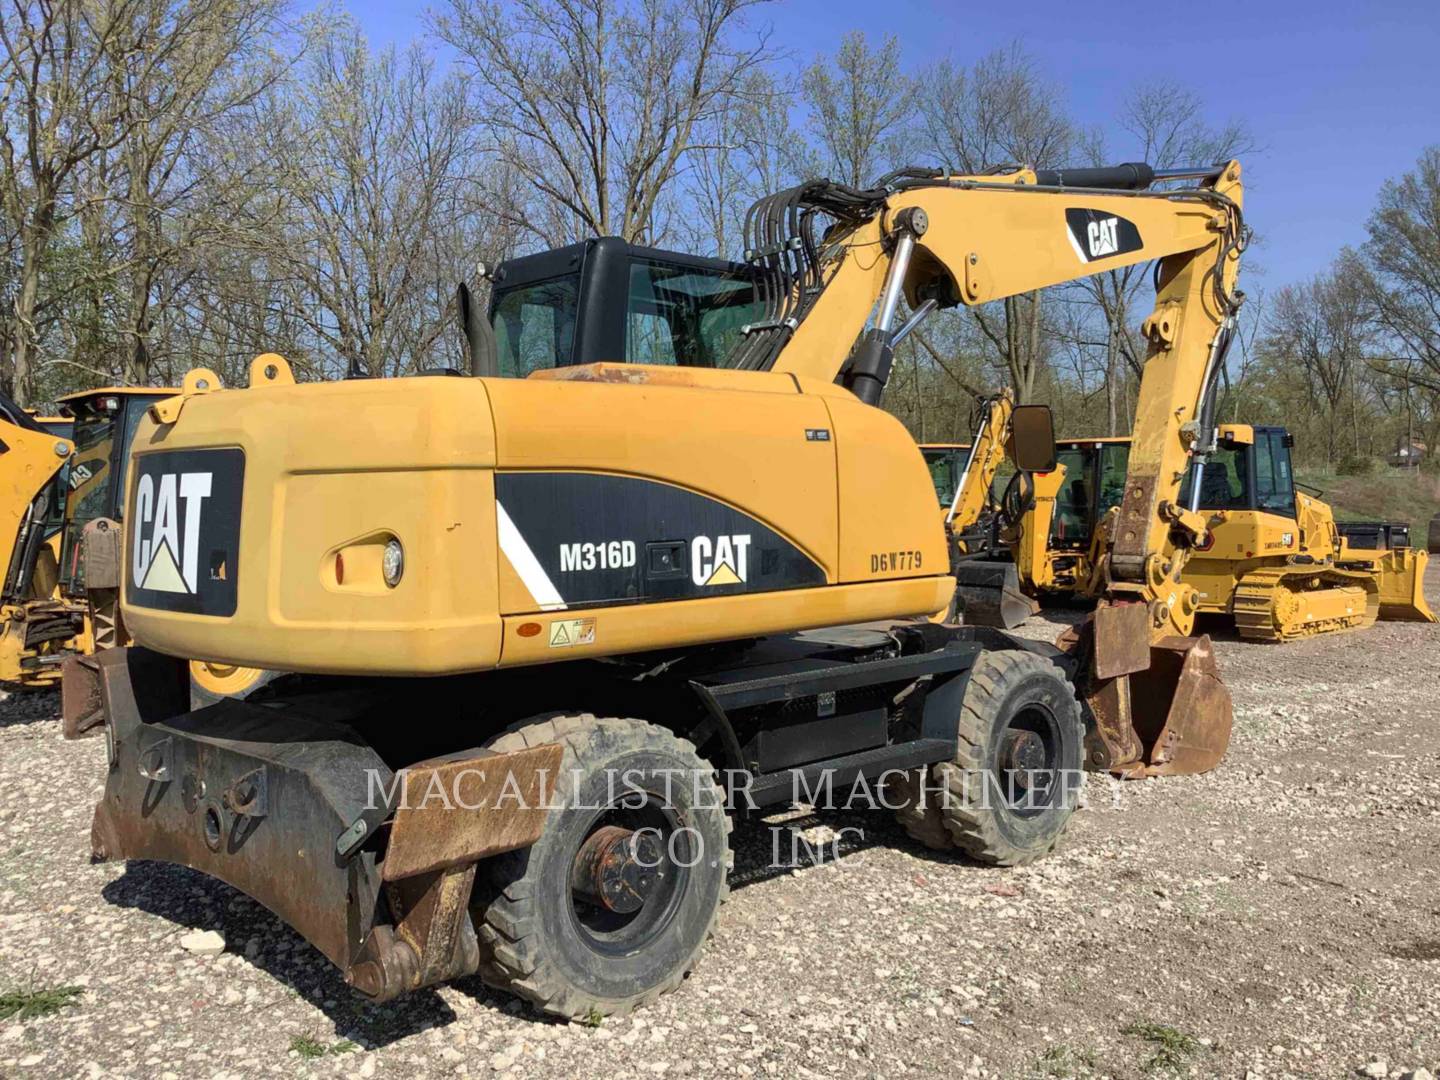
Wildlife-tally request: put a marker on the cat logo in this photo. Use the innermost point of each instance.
(719, 561)
(168, 509)
(1094, 234)
(1102, 238)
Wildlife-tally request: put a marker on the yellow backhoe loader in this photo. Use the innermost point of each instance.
(676, 588)
(35, 621)
(1274, 559)
(987, 590)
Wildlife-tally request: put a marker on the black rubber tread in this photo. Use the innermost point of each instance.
(919, 817)
(512, 943)
(976, 829)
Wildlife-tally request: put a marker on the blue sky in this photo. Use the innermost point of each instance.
(1339, 95)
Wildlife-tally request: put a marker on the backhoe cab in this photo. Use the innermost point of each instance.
(734, 563)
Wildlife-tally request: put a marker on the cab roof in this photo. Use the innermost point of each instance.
(108, 391)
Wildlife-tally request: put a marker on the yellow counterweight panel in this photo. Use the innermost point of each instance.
(328, 465)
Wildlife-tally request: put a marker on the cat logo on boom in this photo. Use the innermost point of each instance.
(722, 560)
(168, 509)
(1097, 235)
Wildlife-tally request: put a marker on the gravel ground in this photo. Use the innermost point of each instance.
(1278, 917)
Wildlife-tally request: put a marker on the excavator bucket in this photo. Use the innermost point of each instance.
(1160, 709)
(1402, 586)
(988, 594)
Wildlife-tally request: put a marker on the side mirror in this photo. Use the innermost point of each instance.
(479, 335)
(1032, 438)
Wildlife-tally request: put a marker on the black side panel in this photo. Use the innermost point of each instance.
(183, 531)
(1096, 234)
(611, 539)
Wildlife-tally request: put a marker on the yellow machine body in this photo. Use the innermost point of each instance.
(696, 506)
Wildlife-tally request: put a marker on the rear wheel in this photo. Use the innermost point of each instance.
(212, 681)
(610, 907)
(1007, 797)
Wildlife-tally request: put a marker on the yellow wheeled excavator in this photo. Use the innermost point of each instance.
(1274, 559)
(680, 589)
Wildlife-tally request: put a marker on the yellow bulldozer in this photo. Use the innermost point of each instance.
(1274, 558)
(687, 592)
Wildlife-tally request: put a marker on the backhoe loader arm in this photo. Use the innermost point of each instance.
(942, 241)
(982, 463)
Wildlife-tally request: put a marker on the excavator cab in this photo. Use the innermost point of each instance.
(609, 300)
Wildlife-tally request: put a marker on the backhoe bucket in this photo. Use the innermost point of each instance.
(988, 594)
(1160, 708)
(1402, 586)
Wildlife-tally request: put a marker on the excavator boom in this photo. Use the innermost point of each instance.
(943, 240)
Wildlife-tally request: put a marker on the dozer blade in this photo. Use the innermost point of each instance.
(988, 594)
(1161, 708)
(1402, 586)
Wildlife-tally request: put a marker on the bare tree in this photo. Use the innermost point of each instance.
(381, 153)
(596, 102)
(1165, 126)
(1403, 255)
(205, 59)
(1001, 110)
(57, 109)
(860, 103)
(1321, 329)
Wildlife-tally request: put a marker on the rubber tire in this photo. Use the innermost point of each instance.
(1001, 683)
(527, 942)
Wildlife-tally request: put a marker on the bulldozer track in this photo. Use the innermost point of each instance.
(1268, 604)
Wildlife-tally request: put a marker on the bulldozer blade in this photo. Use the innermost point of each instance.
(988, 593)
(1402, 586)
(1171, 717)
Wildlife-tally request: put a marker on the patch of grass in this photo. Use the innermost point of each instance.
(1173, 1050)
(1387, 495)
(308, 1047)
(28, 1004)
(593, 1019)
(1066, 1063)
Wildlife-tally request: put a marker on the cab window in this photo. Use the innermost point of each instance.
(535, 325)
(944, 472)
(1072, 522)
(683, 315)
(1223, 485)
(1114, 461)
(1274, 486)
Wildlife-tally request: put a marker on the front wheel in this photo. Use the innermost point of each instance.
(1007, 796)
(610, 907)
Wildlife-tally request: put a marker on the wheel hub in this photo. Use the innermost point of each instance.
(1021, 753)
(618, 868)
